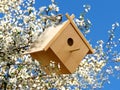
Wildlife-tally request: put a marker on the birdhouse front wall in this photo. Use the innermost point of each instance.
(69, 48)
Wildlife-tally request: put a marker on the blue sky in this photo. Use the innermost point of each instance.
(103, 14)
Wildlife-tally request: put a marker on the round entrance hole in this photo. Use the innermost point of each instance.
(70, 41)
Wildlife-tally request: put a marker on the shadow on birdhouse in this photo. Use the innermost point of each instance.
(63, 44)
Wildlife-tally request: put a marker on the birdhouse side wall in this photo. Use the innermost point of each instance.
(45, 57)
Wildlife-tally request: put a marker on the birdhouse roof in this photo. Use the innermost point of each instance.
(50, 35)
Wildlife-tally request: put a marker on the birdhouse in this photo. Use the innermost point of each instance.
(64, 44)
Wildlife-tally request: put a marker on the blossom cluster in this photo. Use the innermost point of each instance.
(22, 23)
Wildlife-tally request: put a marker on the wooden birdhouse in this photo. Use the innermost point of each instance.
(64, 44)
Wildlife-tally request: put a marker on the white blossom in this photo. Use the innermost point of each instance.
(57, 9)
(109, 71)
(42, 9)
(117, 68)
(13, 80)
(26, 19)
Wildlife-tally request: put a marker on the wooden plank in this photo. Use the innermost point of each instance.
(80, 34)
(44, 39)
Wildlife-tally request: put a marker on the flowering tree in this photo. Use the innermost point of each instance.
(20, 25)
